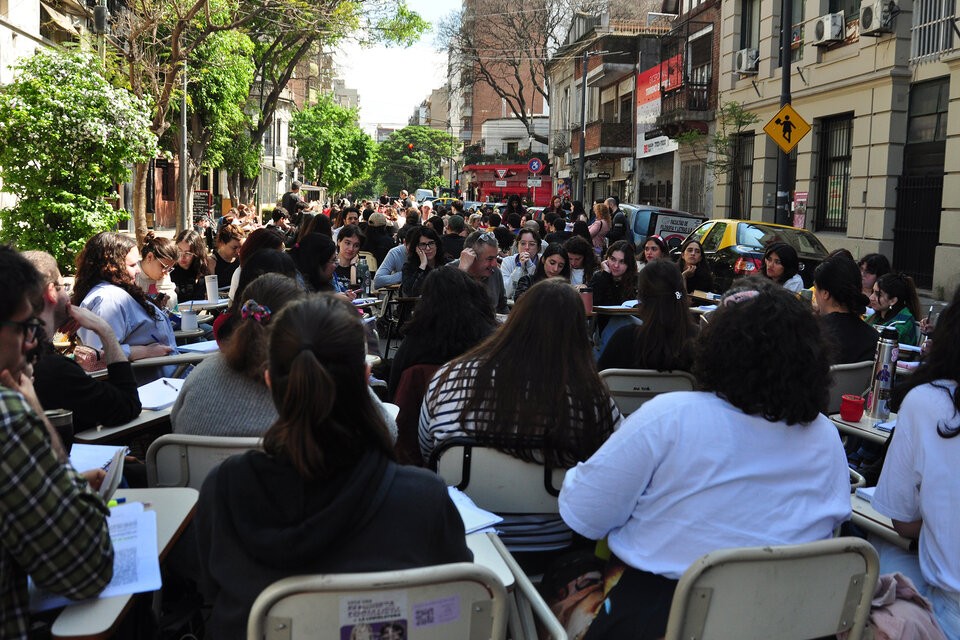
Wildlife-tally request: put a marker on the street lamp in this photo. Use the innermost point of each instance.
(581, 164)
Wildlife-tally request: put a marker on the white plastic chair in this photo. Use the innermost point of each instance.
(496, 481)
(851, 378)
(630, 388)
(461, 600)
(790, 592)
(181, 460)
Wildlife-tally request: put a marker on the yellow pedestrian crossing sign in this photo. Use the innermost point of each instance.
(787, 128)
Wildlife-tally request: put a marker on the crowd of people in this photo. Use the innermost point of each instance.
(746, 459)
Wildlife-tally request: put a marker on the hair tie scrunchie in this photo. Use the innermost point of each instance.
(678, 295)
(251, 309)
(740, 296)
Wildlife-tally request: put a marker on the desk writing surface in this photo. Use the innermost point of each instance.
(873, 522)
(146, 420)
(864, 428)
(485, 554)
(99, 618)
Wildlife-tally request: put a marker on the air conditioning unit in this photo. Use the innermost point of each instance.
(876, 17)
(567, 158)
(828, 29)
(747, 61)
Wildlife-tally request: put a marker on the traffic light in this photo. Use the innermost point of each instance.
(410, 146)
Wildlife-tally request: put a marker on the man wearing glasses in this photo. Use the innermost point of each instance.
(53, 527)
(479, 260)
(60, 383)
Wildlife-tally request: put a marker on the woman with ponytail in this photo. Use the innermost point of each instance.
(324, 495)
(664, 338)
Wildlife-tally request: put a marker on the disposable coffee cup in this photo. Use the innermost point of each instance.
(213, 287)
(62, 421)
(188, 319)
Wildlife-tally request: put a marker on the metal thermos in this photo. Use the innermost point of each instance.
(363, 276)
(884, 371)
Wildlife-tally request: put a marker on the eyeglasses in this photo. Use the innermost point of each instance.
(63, 286)
(426, 245)
(187, 254)
(27, 327)
(167, 268)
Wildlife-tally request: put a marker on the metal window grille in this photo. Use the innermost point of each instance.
(692, 187)
(931, 33)
(833, 181)
(741, 179)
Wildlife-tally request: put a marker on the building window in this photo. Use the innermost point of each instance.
(931, 33)
(692, 187)
(928, 111)
(796, 35)
(512, 148)
(750, 24)
(833, 176)
(700, 71)
(850, 8)
(626, 109)
(741, 177)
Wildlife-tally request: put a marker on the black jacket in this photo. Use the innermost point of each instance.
(257, 521)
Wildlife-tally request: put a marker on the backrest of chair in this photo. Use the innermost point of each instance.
(790, 592)
(630, 388)
(851, 378)
(371, 260)
(496, 481)
(409, 396)
(181, 460)
(461, 600)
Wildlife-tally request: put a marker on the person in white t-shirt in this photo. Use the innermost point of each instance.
(747, 461)
(919, 487)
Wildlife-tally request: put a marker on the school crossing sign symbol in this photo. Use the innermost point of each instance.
(787, 128)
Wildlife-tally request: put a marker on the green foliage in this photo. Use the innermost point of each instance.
(241, 156)
(403, 27)
(403, 167)
(66, 138)
(336, 152)
(718, 151)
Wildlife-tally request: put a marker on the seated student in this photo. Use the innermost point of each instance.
(664, 338)
(552, 264)
(654, 248)
(379, 237)
(348, 255)
(225, 255)
(669, 486)
(522, 393)
(616, 281)
(159, 256)
(582, 259)
(390, 271)
(895, 303)
(872, 266)
(479, 260)
(841, 304)
(324, 495)
(559, 233)
(427, 256)
(258, 240)
(316, 259)
(225, 395)
(696, 274)
(523, 262)
(782, 265)
(54, 529)
(257, 264)
(919, 487)
(106, 285)
(453, 237)
(59, 381)
(192, 266)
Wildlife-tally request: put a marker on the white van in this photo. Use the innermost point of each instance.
(424, 194)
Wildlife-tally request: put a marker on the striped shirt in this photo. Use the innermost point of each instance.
(439, 420)
(52, 527)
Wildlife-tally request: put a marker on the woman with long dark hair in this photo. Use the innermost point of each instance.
(696, 274)
(106, 285)
(553, 263)
(531, 389)
(782, 265)
(872, 266)
(654, 248)
(262, 239)
(226, 254)
(664, 338)
(669, 486)
(895, 303)
(426, 256)
(193, 264)
(324, 495)
(919, 487)
(159, 256)
(841, 303)
(582, 260)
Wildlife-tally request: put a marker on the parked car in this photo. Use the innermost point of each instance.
(734, 248)
(646, 220)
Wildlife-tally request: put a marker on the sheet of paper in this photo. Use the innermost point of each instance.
(136, 565)
(160, 394)
(84, 457)
(207, 346)
(866, 493)
(474, 518)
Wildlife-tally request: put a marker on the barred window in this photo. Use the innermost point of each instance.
(931, 33)
(833, 176)
(692, 187)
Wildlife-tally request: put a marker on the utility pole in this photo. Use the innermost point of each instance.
(782, 214)
(184, 158)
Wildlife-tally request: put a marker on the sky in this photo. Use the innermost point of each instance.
(392, 82)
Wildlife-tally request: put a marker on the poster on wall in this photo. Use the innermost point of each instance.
(799, 209)
(666, 76)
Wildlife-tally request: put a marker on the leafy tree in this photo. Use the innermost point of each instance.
(720, 151)
(66, 138)
(336, 152)
(410, 157)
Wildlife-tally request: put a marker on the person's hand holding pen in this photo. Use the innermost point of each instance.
(139, 352)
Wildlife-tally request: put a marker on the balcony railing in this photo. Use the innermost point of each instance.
(689, 97)
(611, 138)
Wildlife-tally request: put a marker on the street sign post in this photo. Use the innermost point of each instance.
(500, 183)
(534, 182)
(787, 128)
(535, 165)
(501, 173)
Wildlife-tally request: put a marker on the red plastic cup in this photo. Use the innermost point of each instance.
(851, 408)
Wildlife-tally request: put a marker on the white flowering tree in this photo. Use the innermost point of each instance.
(67, 137)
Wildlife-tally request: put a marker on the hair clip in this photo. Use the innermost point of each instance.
(678, 294)
(251, 309)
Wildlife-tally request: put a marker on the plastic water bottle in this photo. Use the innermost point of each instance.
(363, 276)
(884, 371)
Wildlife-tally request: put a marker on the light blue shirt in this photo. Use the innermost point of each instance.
(391, 271)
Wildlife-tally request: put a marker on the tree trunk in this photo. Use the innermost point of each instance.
(140, 201)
